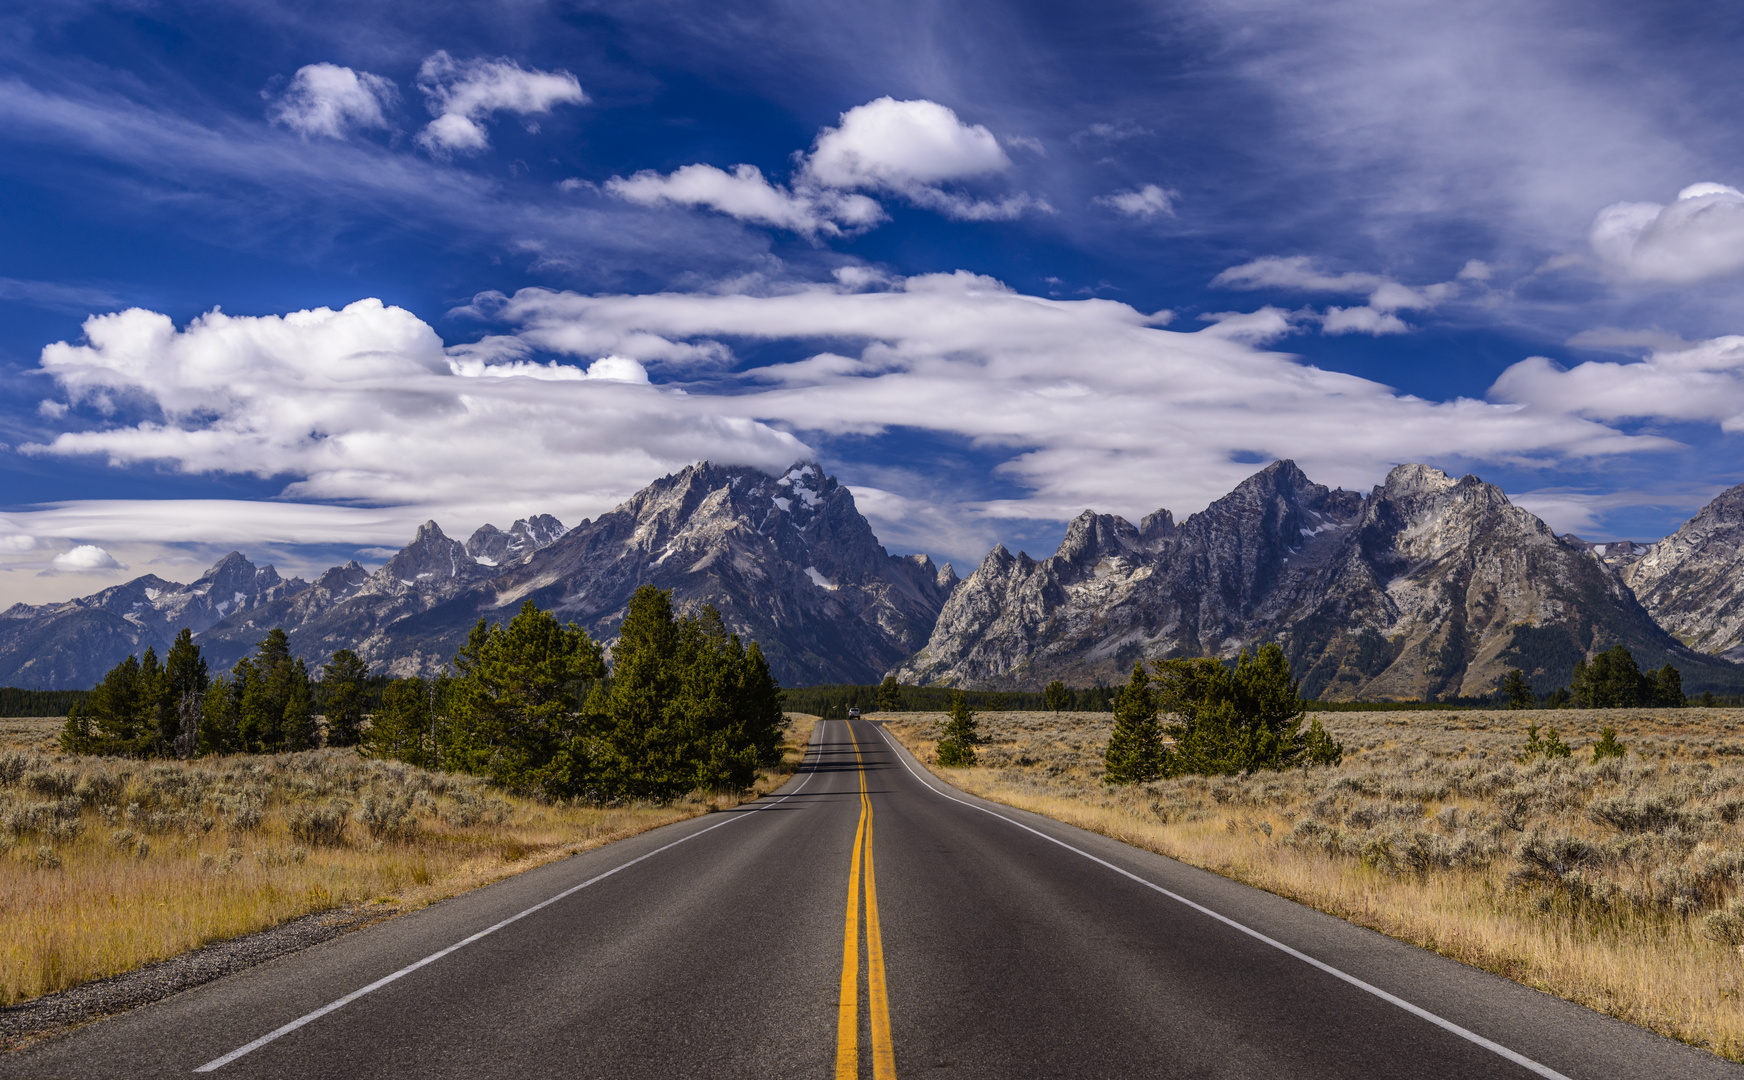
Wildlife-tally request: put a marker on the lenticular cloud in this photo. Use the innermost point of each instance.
(1094, 403)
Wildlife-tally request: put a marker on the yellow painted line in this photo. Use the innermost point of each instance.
(883, 1052)
(848, 1008)
(877, 998)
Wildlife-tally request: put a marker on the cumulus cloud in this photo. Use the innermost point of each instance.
(462, 94)
(1147, 202)
(365, 405)
(1362, 320)
(1089, 402)
(910, 149)
(745, 194)
(1697, 237)
(332, 101)
(1701, 381)
(84, 559)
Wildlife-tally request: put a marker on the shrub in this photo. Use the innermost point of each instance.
(1547, 747)
(1608, 746)
(319, 825)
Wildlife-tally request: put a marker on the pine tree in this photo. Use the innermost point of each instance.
(889, 698)
(516, 703)
(185, 683)
(1668, 689)
(1135, 749)
(219, 710)
(344, 686)
(962, 734)
(1236, 720)
(643, 749)
(1517, 690)
(400, 728)
(1056, 698)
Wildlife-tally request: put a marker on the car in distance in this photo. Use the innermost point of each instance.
(853, 712)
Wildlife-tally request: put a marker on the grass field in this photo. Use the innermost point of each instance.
(108, 864)
(1619, 885)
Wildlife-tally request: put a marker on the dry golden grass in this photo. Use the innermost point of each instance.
(109, 864)
(1618, 885)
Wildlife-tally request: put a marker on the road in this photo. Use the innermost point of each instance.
(867, 921)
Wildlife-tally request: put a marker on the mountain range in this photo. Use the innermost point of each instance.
(1425, 586)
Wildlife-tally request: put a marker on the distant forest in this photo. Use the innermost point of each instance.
(16, 702)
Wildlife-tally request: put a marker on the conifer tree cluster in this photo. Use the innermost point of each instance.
(528, 703)
(1613, 680)
(1224, 720)
(142, 708)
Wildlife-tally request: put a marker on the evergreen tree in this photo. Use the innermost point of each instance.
(516, 703)
(1612, 680)
(219, 711)
(644, 748)
(962, 734)
(344, 686)
(1237, 720)
(889, 700)
(1608, 746)
(1517, 690)
(1668, 689)
(400, 728)
(1135, 749)
(1056, 698)
(185, 681)
(119, 717)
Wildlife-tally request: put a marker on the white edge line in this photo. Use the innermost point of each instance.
(1448, 1025)
(218, 1063)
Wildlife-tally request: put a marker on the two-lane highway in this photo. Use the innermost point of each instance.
(864, 921)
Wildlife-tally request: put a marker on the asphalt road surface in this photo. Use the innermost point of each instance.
(866, 921)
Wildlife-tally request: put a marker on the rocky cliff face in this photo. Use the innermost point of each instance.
(71, 645)
(1426, 586)
(1692, 582)
(789, 561)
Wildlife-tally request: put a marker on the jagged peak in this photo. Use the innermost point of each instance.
(1416, 479)
(429, 531)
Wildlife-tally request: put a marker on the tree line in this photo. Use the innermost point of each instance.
(529, 703)
(1611, 680)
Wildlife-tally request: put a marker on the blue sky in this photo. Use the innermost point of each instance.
(292, 278)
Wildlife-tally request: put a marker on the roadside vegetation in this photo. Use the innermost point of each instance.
(185, 808)
(1596, 854)
(107, 864)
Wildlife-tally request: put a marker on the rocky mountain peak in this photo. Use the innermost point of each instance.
(432, 557)
(342, 581)
(234, 574)
(1692, 582)
(491, 546)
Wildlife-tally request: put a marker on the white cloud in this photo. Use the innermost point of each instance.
(332, 101)
(1697, 237)
(1362, 320)
(461, 94)
(900, 145)
(1147, 202)
(17, 543)
(745, 194)
(1702, 382)
(1298, 273)
(1096, 406)
(1092, 403)
(365, 405)
(910, 149)
(86, 558)
(1261, 327)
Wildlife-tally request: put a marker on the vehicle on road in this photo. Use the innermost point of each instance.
(853, 712)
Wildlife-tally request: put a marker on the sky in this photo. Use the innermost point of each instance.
(293, 278)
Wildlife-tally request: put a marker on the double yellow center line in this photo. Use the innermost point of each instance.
(848, 1011)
